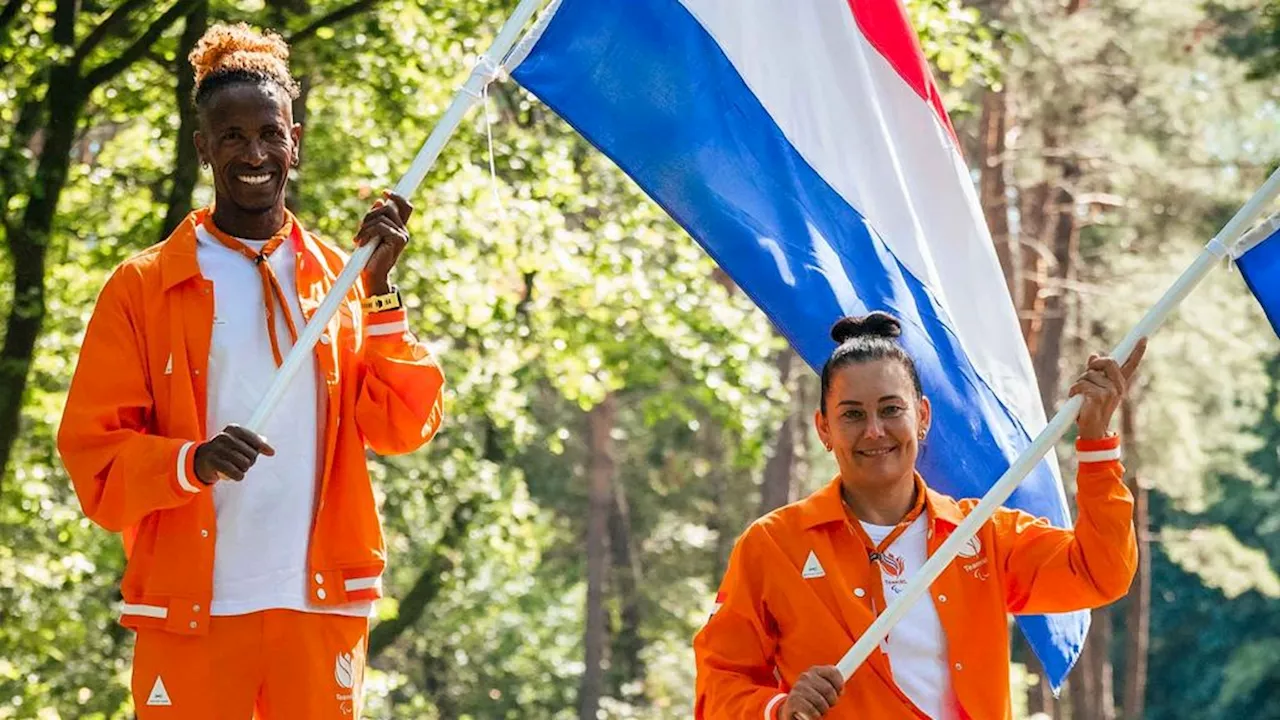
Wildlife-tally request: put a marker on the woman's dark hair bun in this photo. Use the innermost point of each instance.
(876, 324)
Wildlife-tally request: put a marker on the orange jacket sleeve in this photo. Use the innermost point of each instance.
(734, 650)
(121, 471)
(1048, 569)
(399, 404)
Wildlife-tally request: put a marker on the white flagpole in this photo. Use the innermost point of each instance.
(1214, 252)
(484, 72)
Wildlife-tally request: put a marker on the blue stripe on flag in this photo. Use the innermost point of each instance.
(1260, 267)
(647, 85)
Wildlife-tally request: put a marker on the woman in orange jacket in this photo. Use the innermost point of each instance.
(253, 563)
(806, 580)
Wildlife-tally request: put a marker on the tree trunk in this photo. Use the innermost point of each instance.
(1060, 220)
(806, 389)
(1138, 620)
(1091, 688)
(1066, 236)
(1033, 212)
(625, 664)
(436, 663)
(186, 162)
(600, 500)
(14, 163)
(1081, 688)
(437, 683)
(7, 16)
(1040, 697)
(992, 190)
(1103, 703)
(1043, 700)
(775, 490)
(28, 241)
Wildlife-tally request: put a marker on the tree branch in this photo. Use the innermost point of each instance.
(333, 18)
(64, 23)
(186, 163)
(429, 583)
(108, 70)
(105, 27)
(7, 15)
(13, 169)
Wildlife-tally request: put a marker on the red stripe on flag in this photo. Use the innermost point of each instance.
(885, 25)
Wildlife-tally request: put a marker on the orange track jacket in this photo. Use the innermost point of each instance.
(771, 619)
(137, 406)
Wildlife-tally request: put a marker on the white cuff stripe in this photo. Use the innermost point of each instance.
(182, 469)
(1093, 456)
(151, 611)
(362, 584)
(768, 709)
(392, 328)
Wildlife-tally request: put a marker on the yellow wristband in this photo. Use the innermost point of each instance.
(380, 303)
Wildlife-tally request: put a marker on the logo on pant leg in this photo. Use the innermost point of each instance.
(347, 670)
(159, 696)
(344, 670)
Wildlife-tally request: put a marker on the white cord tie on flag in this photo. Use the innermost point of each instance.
(1256, 235)
(489, 71)
(1218, 248)
(493, 166)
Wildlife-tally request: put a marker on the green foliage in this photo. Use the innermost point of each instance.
(1216, 555)
(554, 282)
(1252, 33)
(960, 46)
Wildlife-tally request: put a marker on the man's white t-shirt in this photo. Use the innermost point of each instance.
(917, 644)
(264, 521)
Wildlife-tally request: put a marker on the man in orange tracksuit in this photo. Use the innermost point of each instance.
(254, 560)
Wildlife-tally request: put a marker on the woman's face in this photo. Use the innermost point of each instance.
(249, 139)
(874, 422)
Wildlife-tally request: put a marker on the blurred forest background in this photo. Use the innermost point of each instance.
(617, 412)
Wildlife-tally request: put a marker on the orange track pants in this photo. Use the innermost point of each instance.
(265, 665)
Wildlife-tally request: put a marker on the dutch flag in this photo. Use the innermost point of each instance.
(1258, 257)
(804, 145)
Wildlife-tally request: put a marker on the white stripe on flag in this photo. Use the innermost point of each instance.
(885, 151)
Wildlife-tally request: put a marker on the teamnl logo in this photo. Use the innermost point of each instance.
(348, 668)
(973, 549)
